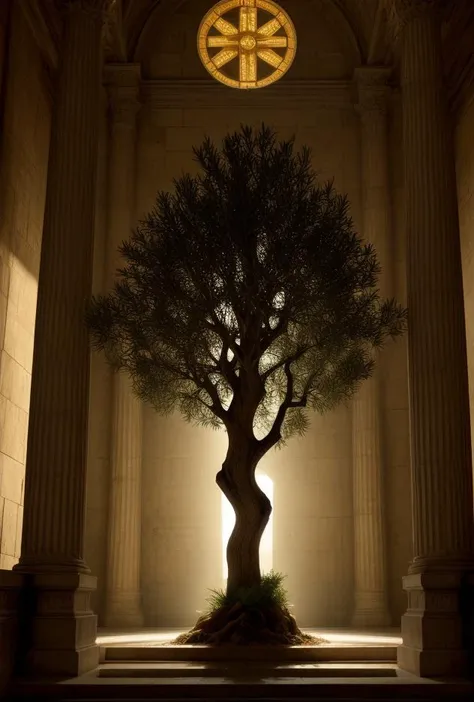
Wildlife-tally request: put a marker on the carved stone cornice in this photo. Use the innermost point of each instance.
(319, 94)
(373, 89)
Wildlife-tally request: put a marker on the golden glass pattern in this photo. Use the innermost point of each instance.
(248, 42)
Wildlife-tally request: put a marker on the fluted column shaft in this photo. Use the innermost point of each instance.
(439, 399)
(369, 534)
(53, 524)
(62, 627)
(432, 628)
(123, 598)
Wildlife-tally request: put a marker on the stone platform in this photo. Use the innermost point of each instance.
(238, 683)
(144, 665)
(157, 645)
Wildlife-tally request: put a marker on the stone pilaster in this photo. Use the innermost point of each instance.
(123, 596)
(63, 626)
(371, 609)
(438, 384)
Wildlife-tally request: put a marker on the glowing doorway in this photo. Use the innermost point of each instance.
(228, 520)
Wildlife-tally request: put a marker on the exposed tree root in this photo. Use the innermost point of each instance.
(241, 626)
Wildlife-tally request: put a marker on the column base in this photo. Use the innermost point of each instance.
(432, 664)
(123, 610)
(63, 628)
(10, 588)
(432, 631)
(370, 611)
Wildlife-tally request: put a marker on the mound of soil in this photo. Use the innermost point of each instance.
(242, 626)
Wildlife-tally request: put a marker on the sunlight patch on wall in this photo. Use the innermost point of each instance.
(228, 520)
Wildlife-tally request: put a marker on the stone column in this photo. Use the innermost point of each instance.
(64, 627)
(123, 597)
(438, 383)
(371, 609)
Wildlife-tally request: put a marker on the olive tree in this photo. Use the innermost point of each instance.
(246, 300)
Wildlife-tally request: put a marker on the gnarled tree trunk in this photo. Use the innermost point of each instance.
(252, 511)
(235, 622)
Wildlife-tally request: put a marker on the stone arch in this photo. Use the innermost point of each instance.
(332, 33)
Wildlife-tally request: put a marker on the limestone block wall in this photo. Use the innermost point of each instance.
(313, 527)
(181, 521)
(313, 539)
(24, 157)
(181, 536)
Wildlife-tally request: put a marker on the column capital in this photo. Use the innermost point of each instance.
(122, 81)
(402, 12)
(373, 89)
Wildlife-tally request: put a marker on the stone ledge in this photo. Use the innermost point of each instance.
(327, 95)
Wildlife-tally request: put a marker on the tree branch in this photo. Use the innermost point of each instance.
(284, 361)
(280, 329)
(206, 384)
(274, 435)
(228, 367)
(222, 332)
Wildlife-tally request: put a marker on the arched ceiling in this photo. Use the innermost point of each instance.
(366, 20)
(134, 15)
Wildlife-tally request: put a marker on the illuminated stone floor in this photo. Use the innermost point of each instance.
(163, 637)
(143, 664)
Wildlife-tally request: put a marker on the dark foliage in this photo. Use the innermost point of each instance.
(248, 286)
(269, 593)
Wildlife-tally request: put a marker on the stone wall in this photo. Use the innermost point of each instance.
(181, 538)
(313, 530)
(24, 157)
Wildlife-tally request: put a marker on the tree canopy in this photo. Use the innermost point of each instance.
(247, 297)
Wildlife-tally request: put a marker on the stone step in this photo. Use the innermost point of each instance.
(92, 688)
(245, 671)
(275, 654)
